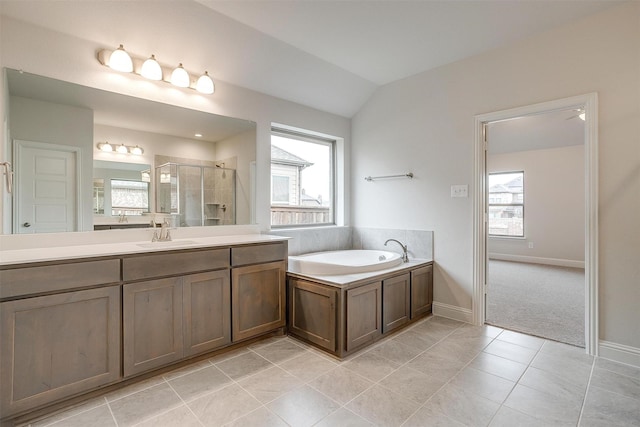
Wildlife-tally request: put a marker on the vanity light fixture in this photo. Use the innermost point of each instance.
(120, 149)
(120, 60)
(180, 77)
(151, 69)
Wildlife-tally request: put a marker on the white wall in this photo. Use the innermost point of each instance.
(553, 206)
(51, 54)
(425, 124)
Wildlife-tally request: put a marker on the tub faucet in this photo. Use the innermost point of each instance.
(405, 256)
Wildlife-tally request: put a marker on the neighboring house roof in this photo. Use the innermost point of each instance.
(513, 186)
(280, 156)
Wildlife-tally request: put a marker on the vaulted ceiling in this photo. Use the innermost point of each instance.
(329, 55)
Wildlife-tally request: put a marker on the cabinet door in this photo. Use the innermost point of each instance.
(207, 311)
(57, 346)
(395, 302)
(258, 299)
(312, 313)
(421, 291)
(363, 315)
(152, 324)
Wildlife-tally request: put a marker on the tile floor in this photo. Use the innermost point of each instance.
(438, 372)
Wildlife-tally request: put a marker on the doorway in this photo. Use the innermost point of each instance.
(588, 105)
(46, 188)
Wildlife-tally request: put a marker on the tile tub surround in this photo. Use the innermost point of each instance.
(333, 238)
(282, 382)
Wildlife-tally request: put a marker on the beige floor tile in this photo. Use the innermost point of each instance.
(474, 331)
(261, 417)
(510, 351)
(417, 340)
(187, 369)
(99, 416)
(446, 322)
(395, 351)
(372, 367)
(617, 383)
(270, 384)
(544, 406)
(344, 418)
(303, 407)
(341, 384)
(229, 355)
(308, 366)
(549, 383)
(569, 352)
(528, 341)
(244, 365)
(618, 368)
(145, 404)
(577, 373)
(412, 384)
(223, 406)
(463, 406)
(463, 349)
(425, 417)
(280, 351)
(199, 383)
(604, 408)
(436, 366)
(496, 365)
(134, 388)
(507, 417)
(180, 416)
(483, 384)
(383, 407)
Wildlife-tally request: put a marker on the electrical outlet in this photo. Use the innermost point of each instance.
(530, 245)
(460, 190)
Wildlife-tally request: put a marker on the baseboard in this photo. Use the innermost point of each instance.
(452, 312)
(538, 260)
(619, 353)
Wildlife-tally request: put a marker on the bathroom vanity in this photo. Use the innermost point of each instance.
(344, 313)
(75, 323)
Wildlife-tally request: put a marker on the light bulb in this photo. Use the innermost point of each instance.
(205, 84)
(137, 151)
(105, 146)
(151, 69)
(120, 60)
(122, 149)
(180, 77)
(583, 116)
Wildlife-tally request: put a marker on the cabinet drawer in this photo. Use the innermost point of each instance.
(51, 278)
(173, 263)
(258, 254)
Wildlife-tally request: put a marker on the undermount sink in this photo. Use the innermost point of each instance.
(167, 244)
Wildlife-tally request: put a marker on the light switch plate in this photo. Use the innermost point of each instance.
(460, 190)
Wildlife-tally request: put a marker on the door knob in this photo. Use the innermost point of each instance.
(26, 224)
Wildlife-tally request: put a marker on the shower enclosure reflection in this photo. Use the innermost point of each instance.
(196, 195)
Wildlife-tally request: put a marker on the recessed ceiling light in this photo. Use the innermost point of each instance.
(198, 135)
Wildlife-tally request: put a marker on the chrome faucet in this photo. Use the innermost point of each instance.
(405, 256)
(122, 217)
(165, 235)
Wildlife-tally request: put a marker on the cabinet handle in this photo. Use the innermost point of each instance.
(26, 224)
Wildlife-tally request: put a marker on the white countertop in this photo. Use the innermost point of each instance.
(53, 253)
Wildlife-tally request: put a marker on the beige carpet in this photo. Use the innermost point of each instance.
(542, 300)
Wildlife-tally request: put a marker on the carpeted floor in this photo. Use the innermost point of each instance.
(542, 300)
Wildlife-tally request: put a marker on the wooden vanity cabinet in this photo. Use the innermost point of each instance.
(396, 302)
(421, 291)
(313, 313)
(258, 290)
(364, 317)
(166, 319)
(57, 346)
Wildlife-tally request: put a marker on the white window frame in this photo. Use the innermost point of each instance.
(489, 205)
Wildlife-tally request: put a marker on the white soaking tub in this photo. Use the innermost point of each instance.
(343, 262)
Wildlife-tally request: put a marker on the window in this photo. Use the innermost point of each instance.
(129, 197)
(506, 204)
(302, 179)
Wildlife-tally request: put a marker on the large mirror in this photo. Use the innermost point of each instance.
(166, 163)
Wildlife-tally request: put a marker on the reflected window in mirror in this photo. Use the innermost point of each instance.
(98, 196)
(129, 197)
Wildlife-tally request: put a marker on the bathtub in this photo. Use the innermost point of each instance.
(343, 262)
